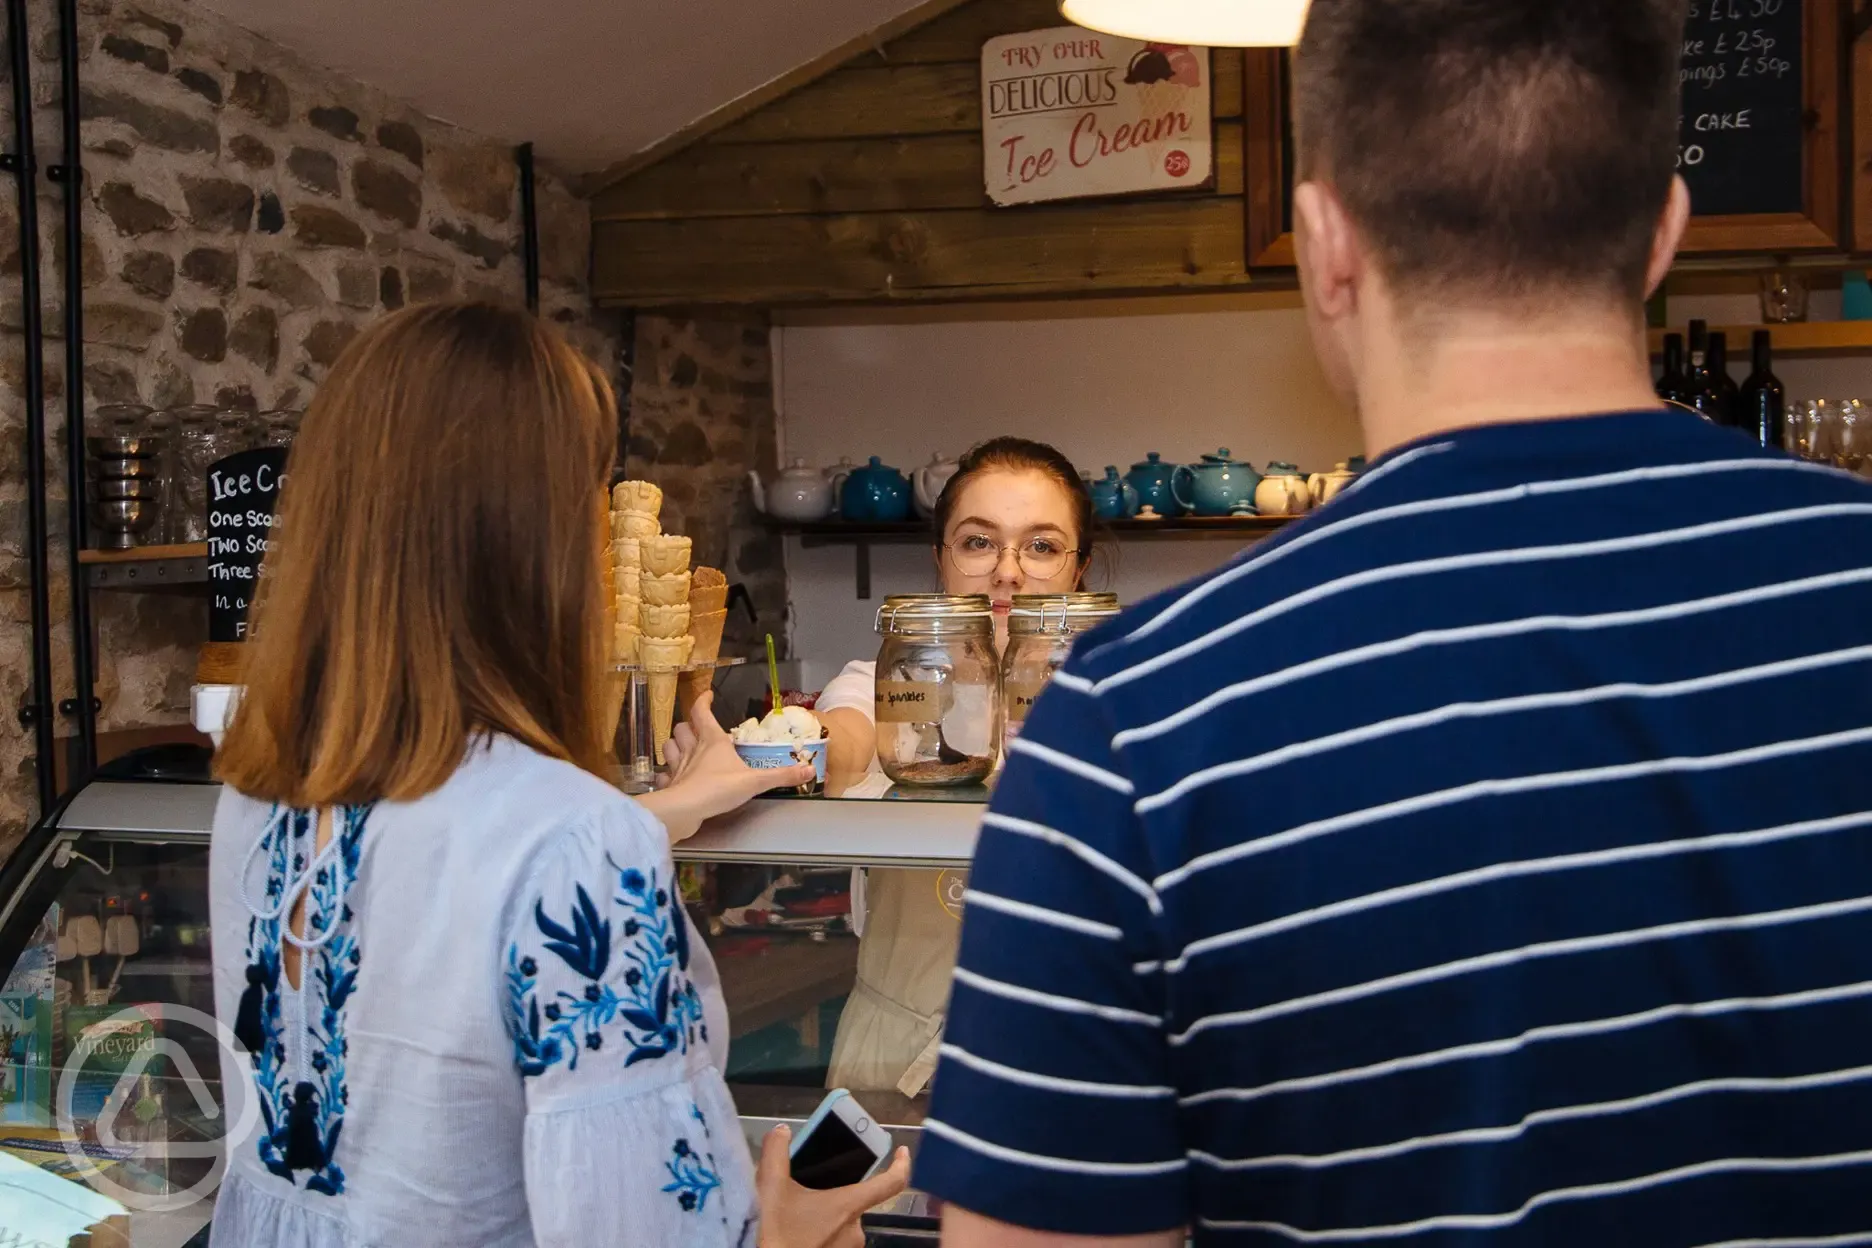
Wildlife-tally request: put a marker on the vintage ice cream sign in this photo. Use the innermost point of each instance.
(1067, 113)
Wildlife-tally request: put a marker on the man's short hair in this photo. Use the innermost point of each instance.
(1495, 149)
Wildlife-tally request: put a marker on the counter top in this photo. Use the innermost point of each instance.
(888, 831)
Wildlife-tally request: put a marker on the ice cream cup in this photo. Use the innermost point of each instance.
(627, 552)
(774, 757)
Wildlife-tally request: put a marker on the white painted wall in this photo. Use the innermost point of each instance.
(1105, 381)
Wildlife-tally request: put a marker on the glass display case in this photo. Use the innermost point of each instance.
(833, 922)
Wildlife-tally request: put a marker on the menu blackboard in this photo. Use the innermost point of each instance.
(243, 494)
(1742, 126)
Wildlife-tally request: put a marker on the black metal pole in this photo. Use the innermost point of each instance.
(83, 703)
(24, 166)
(529, 225)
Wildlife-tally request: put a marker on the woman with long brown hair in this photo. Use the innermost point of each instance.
(471, 1007)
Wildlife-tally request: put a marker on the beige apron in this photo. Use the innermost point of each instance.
(891, 1029)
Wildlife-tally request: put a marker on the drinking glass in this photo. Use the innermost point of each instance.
(1783, 297)
(1850, 446)
(1810, 429)
(194, 449)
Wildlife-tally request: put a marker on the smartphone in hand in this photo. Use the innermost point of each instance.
(840, 1144)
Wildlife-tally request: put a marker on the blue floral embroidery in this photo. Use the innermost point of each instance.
(645, 991)
(692, 1176)
(302, 1092)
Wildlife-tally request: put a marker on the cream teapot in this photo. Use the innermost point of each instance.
(1324, 486)
(928, 483)
(798, 494)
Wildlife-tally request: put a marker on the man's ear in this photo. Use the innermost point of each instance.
(1668, 236)
(1327, 250)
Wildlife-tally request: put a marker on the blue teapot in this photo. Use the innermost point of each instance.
(1113, 498)
(875, 494)
(1151, 481)
(1219, 486)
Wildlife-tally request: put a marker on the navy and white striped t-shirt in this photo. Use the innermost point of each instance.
(1487, 859)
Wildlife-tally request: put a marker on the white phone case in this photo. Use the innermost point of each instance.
(840, 1103)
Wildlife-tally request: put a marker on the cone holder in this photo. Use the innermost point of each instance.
(637, 753)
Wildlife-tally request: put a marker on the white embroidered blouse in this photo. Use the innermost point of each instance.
(504, 1033)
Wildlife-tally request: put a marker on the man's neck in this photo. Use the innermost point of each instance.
(1483, 372)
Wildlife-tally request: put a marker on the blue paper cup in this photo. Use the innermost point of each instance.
(775, 757)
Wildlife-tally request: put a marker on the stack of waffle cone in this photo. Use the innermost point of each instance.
(708, 611)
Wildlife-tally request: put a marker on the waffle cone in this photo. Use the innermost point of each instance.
(664, 623)
(627, 552)
(666, 591)
(627, 583)
(662, 709)
(626, 640)
(704, 599)
(629, 524)
(706, 628)
(637, 496)
(666, 653)
(665, 556)
(690, 686)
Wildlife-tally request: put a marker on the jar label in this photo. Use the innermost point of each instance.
(1022, 693)
(909, 701)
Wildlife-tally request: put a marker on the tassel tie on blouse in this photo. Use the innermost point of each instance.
(304, 1146)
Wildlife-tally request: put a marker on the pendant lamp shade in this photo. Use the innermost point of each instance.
(1198, 23)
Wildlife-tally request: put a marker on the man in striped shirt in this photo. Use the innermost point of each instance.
(1488, 859)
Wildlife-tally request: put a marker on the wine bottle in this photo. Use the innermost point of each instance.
(1729, 394)
(1763, 404)
(1673, 385)
(1703, 393)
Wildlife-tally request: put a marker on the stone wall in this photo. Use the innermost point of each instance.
(245, 213)
(701, 415)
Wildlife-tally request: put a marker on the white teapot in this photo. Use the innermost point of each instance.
(798, 494)
(928, 482)
(1283, 491)
(1326, 485)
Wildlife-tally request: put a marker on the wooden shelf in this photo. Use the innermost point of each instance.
(1801, 338)
(147, 567)
(144, 554)
(862, 537)
(910, 532)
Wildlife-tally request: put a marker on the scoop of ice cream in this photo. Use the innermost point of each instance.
(790, 725)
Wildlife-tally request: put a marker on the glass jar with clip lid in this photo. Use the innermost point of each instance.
(938, 697)
(1041, 631)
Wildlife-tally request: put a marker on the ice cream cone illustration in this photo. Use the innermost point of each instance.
(1165, 77)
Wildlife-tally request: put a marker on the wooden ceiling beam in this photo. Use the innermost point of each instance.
(765, 94)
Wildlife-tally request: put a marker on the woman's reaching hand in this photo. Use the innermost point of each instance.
(707, 778)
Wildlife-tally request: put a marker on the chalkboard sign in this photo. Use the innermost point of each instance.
(1760, 137)
(243, 495)
(1742, 127)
